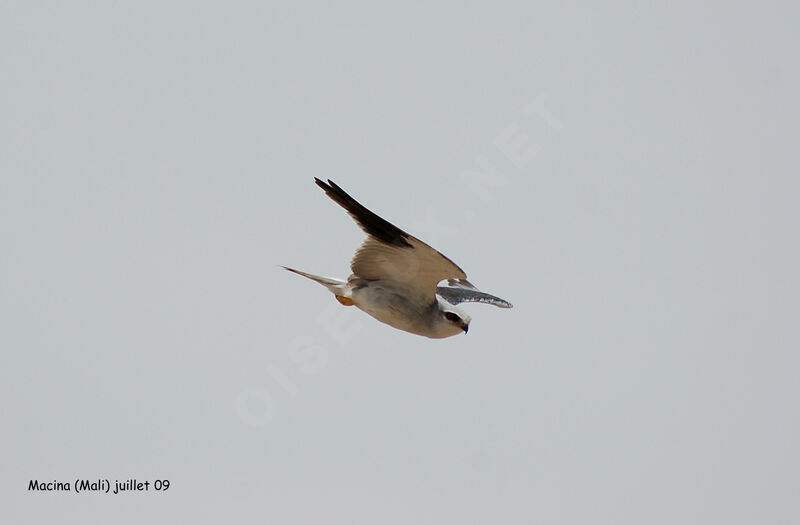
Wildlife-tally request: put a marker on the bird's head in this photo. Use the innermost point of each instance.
(456, 319)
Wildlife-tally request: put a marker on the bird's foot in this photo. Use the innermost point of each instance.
(345, 300)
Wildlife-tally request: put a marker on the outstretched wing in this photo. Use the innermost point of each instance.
(392, 254)
(470, 295)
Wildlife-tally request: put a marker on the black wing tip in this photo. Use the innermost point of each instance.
(369, 222)
(323, 185)
(327, 186)
(335, 192)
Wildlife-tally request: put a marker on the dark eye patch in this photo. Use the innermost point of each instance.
(452, 317)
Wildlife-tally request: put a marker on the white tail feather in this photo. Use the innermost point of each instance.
(336, 286)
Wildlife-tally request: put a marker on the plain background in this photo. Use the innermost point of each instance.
(626, 175)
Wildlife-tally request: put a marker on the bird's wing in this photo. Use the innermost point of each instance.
(469, 295)
(390, 253)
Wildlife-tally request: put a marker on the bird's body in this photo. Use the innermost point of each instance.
(395, 278)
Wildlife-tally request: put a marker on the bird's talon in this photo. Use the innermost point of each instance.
(345, 300)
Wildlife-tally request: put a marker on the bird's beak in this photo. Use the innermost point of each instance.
(465, 328)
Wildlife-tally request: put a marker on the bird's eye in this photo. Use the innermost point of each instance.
(452, 317)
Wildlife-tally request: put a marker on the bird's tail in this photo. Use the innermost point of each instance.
(336, 286)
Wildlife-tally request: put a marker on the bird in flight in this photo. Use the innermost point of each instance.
(396, 277)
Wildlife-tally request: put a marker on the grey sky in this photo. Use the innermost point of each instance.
(157, 164)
